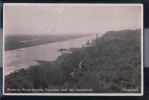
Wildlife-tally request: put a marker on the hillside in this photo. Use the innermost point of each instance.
(111, 64)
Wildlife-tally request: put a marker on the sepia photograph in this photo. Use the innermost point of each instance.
(73, 49)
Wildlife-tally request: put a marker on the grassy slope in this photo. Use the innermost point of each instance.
(111, 64)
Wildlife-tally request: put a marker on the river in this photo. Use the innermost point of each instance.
(25, 57)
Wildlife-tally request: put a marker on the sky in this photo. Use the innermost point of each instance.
(69, 18)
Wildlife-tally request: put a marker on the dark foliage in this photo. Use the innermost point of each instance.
(111, 64)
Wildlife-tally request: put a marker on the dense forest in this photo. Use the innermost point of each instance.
(111, 64)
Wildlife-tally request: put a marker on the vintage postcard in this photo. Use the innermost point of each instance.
(73, 49)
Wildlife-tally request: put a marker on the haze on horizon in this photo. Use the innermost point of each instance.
(67, 18)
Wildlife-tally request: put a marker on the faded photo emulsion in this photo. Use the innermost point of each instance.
(73, 49)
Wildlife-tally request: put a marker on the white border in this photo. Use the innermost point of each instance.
(76, 94)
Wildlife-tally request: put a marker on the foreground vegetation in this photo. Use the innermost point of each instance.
(111, 64)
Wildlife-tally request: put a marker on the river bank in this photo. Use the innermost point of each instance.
(25, 57)
(111, 65)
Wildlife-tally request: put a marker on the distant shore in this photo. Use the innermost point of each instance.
(22, 41)
(111, 65)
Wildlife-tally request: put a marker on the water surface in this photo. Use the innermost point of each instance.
(25, 57)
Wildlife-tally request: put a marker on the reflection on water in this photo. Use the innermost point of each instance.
(25, 57)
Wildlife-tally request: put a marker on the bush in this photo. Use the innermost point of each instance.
(111, 64)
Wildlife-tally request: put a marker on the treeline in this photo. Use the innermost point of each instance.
(21, 41)
(112, 64)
